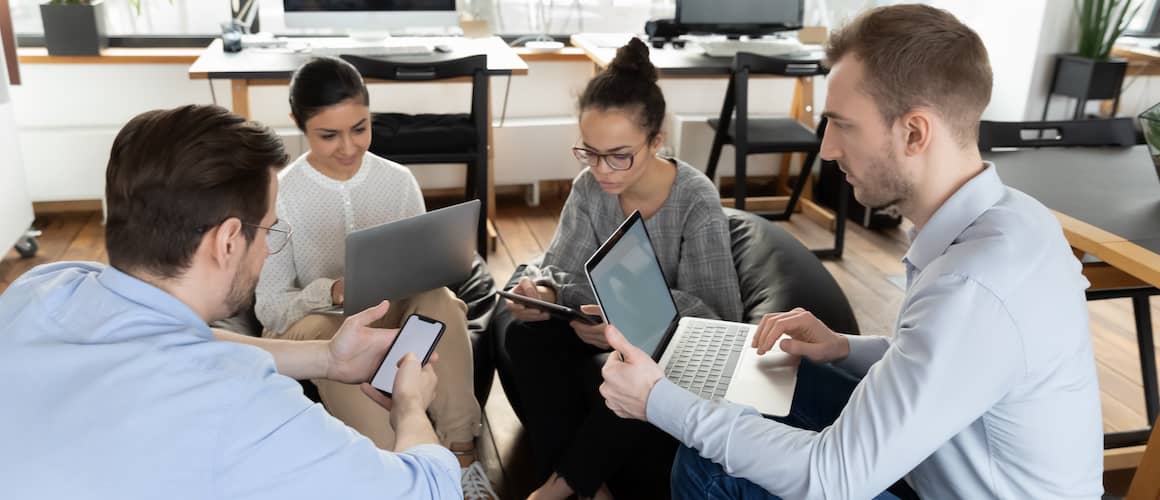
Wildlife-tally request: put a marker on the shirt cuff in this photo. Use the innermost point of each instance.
(438, 455)
(667, 407)
(865, 350)
(317, 294)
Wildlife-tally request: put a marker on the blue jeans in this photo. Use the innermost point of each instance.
(822, 391)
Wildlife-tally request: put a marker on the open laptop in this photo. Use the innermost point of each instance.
(399, 259)
(708, 357)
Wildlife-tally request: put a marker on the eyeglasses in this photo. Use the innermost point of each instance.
(277, 235)
(616, 161)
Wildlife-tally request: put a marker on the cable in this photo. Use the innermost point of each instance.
(503, 114)
(212, 92)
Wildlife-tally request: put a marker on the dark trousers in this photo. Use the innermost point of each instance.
(821, 393)
(572, 432)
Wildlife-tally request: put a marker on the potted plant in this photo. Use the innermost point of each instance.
(1090, 74)
(74, 27)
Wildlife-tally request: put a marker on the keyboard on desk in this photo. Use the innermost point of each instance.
(706, 356)
(770, 48)
(340, 47)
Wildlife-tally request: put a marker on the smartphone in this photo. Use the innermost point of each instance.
(554, 310)
(419, 335)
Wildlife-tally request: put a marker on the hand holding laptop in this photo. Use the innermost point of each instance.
(629, 377)
(806, 336)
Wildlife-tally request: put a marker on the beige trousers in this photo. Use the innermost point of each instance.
(455, 412)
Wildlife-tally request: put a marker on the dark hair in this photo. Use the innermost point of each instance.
(917, 55)
(629, 83)
(324, 82)
(175, 173)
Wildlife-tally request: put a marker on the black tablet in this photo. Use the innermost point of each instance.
(554, 310)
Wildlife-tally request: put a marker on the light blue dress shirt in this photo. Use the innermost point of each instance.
(986, 390)
(114, 389)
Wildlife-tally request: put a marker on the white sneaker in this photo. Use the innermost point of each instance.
(476, 485)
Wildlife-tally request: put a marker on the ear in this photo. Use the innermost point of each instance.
(228, 241)
(918, 127)
(657, 143)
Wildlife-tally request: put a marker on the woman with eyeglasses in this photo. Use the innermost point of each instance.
(578, 443)
(335, 188)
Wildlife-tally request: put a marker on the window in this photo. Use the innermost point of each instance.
(157, 17)
(1146, 21)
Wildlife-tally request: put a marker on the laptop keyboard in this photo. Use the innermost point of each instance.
(704, 360)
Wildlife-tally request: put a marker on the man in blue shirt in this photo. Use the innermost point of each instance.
(114, 387)
(987, 388)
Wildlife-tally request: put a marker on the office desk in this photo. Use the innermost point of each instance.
(274, 67)
(692, 63)
(1108, 202)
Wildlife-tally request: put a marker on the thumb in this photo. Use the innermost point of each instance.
(371, 314)
(526, 284)
(800, 348)
(408, 358)
(620, 344)
(592, 309)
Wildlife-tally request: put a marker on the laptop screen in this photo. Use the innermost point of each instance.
(631, 287)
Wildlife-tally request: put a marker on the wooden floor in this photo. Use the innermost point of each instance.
(869, 273)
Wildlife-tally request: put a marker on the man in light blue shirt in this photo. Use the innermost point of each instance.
(987, 389)
(114, 387)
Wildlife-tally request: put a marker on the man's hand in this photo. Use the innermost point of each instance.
(529, 289)
(338, 293)
(414, 387)
(808, 336)
(356, 351)
(629, 377)
(592, 335)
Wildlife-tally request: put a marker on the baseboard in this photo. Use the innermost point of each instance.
(62, 207)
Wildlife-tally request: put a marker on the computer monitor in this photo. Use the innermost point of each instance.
(371, 16)
(739, 17)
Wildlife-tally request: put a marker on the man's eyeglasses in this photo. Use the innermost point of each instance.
(616, 161)
(277, 235)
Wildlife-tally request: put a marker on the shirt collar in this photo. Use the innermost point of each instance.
(152, 298)
(954, 216)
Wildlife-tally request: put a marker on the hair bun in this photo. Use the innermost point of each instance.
(632, 60)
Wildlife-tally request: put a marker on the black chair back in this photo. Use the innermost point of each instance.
(1091, 133)
(399, 70)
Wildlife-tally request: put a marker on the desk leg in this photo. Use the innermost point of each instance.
(490, 186)
(240, 94)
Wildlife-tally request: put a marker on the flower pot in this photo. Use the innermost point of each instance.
(1087, 79)
(1150, 125)
(74, 30)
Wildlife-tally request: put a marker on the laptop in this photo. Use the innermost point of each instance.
(402, 258)
(710, 358)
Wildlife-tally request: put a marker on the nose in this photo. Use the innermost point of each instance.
(829, 150)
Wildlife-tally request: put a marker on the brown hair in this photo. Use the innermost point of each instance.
(917, 55)
(174, 174)
(629, 83)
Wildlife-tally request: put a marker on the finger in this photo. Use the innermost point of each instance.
(526, 287)
(766, 322)
(791, 324)
(377, 396)
(370, 315)
(592, 309)
(433, 359)
(407, 359)
(616, 341)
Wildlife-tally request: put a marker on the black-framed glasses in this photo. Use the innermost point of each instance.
(616, 161)
(277, 234)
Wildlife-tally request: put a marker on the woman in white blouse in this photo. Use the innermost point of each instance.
(335, 188)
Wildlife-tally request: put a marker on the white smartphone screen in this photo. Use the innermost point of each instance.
(417, 336)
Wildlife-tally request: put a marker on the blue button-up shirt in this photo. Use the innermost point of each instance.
(112, 388)
(987, 388)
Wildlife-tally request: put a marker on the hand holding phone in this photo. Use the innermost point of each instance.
(419, 336)
(557, 311)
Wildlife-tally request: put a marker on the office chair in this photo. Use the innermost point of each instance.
(1091, 133)
(436, 138)
(770, 135)
(1114, 132)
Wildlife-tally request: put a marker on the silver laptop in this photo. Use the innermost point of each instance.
(399, 259)
(708, 357)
